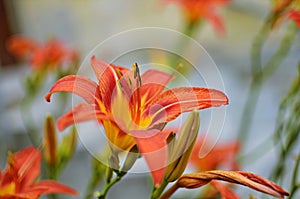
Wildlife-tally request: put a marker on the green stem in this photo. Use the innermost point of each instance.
(94, 181)
(260, 75)
(257, 152)
(288, 124)
(52, 173)
(97, 176)
(169, 192)
(109, 184)
(294, 185)
(256, 52)
(284, 150)
(157, 191)
(189, 30)
(286, 43)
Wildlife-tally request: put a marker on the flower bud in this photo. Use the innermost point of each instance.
(181, 151)
(132, 156)
(50, 141)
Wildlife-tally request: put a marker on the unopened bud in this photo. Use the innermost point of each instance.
(181, 151)
(132, 156)
(50, 141)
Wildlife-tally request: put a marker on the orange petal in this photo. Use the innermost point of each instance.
(81, 86)
(80, 113)
(217, 23)
(153, 83)
(223, 154)
(21, 46)
(153, 146)
(156, 76)
(27, 162)
(171, 103)
(224, 190)
(295, 16)
(107, 78)
(147, 93)
(99, 67)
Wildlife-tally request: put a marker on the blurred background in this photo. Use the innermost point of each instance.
(84, 24)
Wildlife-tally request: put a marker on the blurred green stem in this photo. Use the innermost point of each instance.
(98, 170)
(169, 192)
(93, 182)
(189, 29)
(157, 191)
(109, 184)
(53, 174)
(256, 52)
(260, 150)
(288, 124)
(294, 185)
(261, 74)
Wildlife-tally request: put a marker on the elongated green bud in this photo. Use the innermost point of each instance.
(50, 141)
(132, 156)
(180, 154)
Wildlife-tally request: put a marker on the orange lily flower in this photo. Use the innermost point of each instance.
(18, 181)
(196, 10)
(132, 108)
(51, 54)
(21, 47)
(222, 155)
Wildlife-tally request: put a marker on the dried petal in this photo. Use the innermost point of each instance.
(251, 180)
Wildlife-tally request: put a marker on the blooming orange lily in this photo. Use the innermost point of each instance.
(196, 10)
(18, 181)
(132, 108)
(222, 155)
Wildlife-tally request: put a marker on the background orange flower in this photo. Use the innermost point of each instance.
(51, 54)
(221, 156)
(18, 181)
(196, 10)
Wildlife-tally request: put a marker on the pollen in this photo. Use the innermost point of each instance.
(8, 189)
(145, 122)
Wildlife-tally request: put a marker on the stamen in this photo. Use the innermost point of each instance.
(119, 73)
(136, 74)
(173, 74)
(137, 77)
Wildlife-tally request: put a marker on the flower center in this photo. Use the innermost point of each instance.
(8, 189)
